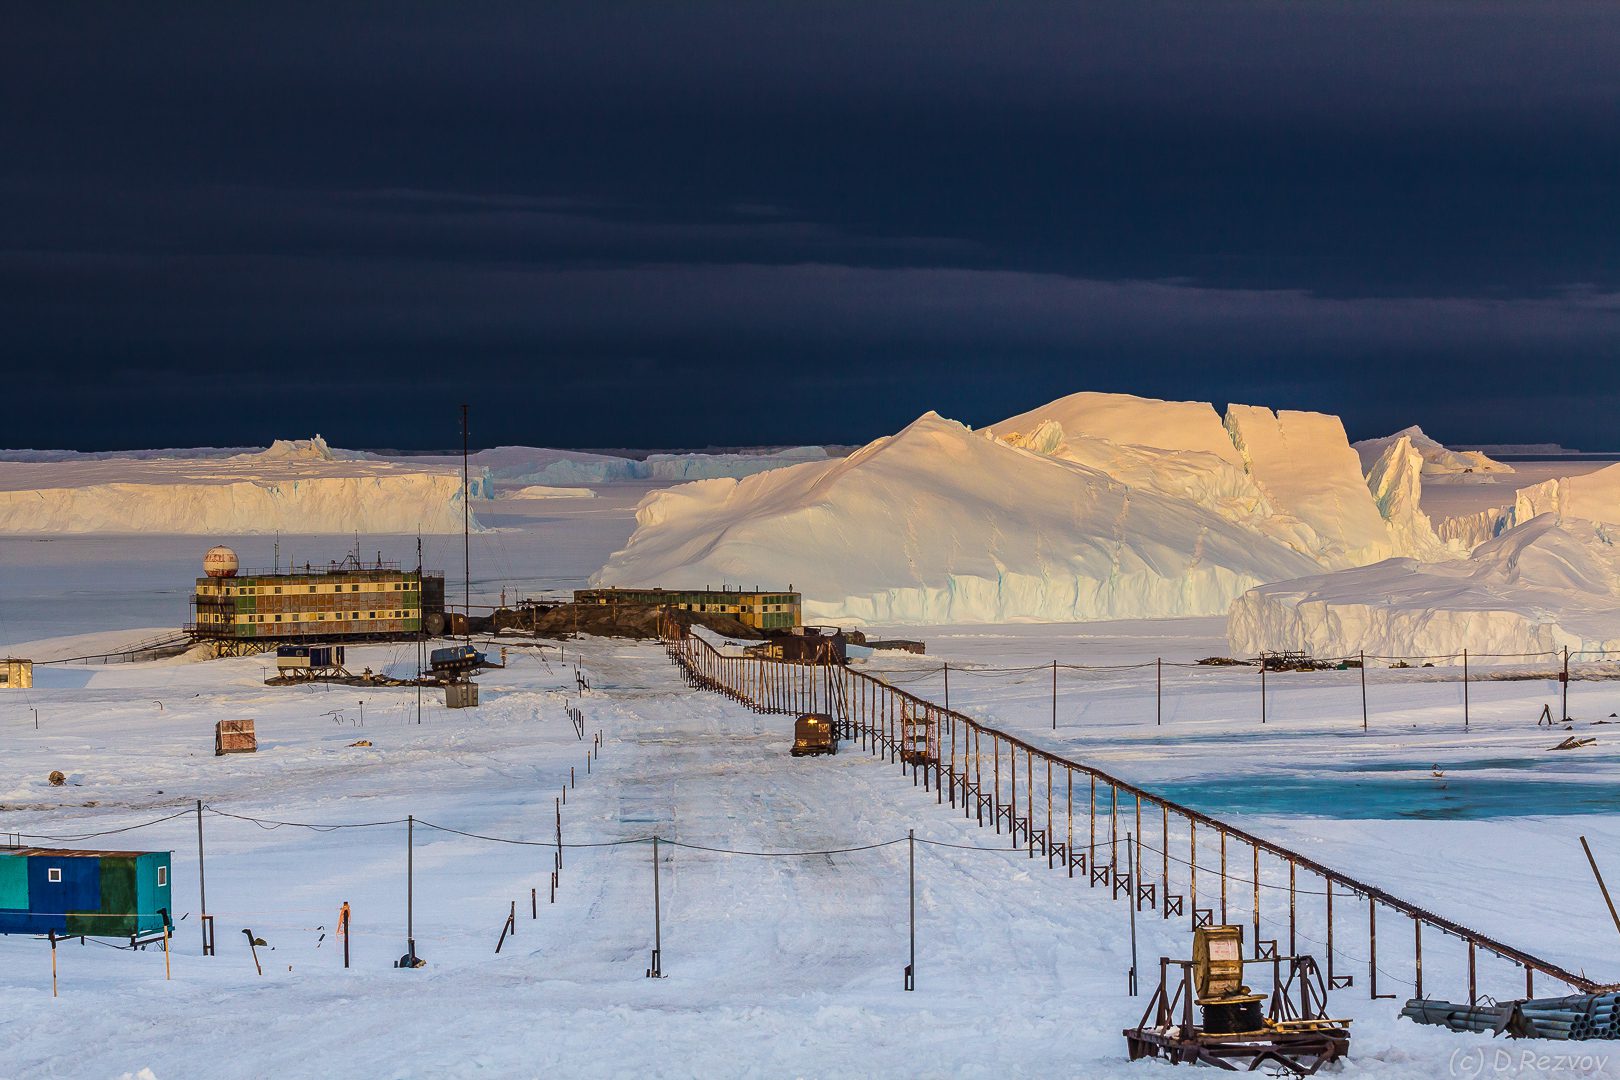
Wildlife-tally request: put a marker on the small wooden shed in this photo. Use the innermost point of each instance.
(90, 893)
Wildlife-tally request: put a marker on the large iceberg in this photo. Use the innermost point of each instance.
(1541, 586)
(942, 524)
(300, 486)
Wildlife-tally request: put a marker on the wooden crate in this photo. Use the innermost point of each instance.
(234, 737)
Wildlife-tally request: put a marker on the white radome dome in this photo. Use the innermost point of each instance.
(220, 562)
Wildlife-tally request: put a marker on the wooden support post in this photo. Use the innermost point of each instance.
(1192, 873)
(1136, 857)
(1293, 944)
(1372, 948)
(995, 751)
(1158, 691)
(1069, 843)
(1113, 833)
(1164, 860)
(1054, 695)
(1223, 877)
(1465, 689)
(1262, 690)
(1048, 842)
(1473, 989)
(1330, 985)
(1256, 900)
(1091, 857)
(1417, 955)
(1029, 800)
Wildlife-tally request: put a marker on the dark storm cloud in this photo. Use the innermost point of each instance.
(1398, 212)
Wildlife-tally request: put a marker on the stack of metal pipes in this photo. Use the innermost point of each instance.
(1581, 1016)
(1577, 1017)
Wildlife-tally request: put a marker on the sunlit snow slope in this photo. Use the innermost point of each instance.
(942, 524)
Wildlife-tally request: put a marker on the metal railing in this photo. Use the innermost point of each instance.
(984, 781)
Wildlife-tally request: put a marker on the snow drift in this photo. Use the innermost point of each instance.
(940, 524)
(1539, 587)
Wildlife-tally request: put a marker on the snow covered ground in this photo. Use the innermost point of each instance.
(777, 966)
(774, 965)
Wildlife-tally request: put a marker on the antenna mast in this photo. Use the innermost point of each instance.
(466, 530)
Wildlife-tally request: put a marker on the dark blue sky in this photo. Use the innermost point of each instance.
(684, 224)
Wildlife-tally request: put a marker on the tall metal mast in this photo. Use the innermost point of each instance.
(466, 531)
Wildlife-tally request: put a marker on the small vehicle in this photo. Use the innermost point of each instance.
(456, 659)
(813, 734)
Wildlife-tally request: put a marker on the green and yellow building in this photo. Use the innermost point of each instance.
(763, 610)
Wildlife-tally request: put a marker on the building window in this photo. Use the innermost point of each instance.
(163, 876)
(278, 590)
(54, 874)
(278, 618)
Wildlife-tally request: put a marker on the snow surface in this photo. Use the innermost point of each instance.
(1537, 588)
(942, 524)
(774, 966)
(1438, 460)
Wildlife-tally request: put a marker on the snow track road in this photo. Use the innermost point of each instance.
(785, 965)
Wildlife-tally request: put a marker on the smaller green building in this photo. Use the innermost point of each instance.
(122, 894)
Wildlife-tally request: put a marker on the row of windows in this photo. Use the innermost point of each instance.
(314, 616)
(276, 590)
(53, 874)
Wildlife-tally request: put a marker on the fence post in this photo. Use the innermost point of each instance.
(911, 858)
(1465, 691)
(657, 969)
(1130, 871)
(202, 887)
(1364, 690)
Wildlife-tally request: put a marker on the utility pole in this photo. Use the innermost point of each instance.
(657, 969)
(1054, 695)
(466, 529)
(1130, 873)
(911, 966)
(202, 887)
(410, 891)
(1363, 689)
(1563, 682)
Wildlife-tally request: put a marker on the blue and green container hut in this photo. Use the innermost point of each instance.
(122, 894)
